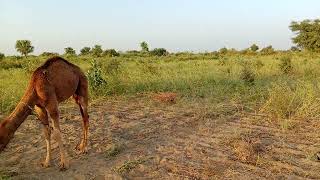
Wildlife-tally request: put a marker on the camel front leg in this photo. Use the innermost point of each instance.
(43, 117)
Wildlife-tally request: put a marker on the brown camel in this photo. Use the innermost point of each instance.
(53, 82)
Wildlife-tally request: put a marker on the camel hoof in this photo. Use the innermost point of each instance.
(80, 149)
(45, 164)
(318, 156)
(63, 166)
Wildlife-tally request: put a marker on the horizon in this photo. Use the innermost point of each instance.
(174, 25)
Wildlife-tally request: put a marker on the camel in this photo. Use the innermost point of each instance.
(53, 82)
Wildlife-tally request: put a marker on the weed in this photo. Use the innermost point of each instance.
(113, 151)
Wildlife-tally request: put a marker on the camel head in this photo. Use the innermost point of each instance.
(4, 136)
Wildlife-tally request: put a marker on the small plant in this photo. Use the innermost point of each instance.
(113, 151)
(95, 78)
(285, 65)
(129, 165)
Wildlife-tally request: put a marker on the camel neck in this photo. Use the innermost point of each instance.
(21, 112)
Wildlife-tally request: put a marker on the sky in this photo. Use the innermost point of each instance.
(177, 25)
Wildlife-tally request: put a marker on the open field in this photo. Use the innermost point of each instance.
(234, 116)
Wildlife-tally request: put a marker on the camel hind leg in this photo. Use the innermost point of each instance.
(81, 98)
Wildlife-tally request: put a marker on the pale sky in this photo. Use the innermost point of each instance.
(177, 25)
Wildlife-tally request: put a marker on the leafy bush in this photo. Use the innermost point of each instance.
(285, 65)
(95, 78)
(159, 52)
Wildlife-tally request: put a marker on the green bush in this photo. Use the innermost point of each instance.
(96, 81)
(159, 52)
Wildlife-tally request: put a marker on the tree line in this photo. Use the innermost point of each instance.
(307, 38)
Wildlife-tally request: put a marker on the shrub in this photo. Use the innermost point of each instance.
(267, 50)
(2, 56)
(110, 53)
(159, 52)
(95, 78)
(285, 65)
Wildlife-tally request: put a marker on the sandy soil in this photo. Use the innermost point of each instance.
(139, 138)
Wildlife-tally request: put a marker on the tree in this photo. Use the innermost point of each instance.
(97, 50)
(69, 51)
(307, 34)
(24, 47)
(85, 51)
(159, 52)
(2, 56)
(223, 50)
(144, 46)
(110, 53)
(254, 48)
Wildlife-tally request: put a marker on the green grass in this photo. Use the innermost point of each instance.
(271, 89)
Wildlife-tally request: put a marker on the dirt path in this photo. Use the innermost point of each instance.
(141, 139)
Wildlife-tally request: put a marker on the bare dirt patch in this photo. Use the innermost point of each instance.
(138, 138)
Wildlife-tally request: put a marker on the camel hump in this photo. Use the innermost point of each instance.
(53, 60)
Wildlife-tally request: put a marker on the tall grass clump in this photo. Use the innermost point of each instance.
(286, 101)
(285, 65)
(247, 74)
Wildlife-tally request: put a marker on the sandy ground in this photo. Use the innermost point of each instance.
(139, 138)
